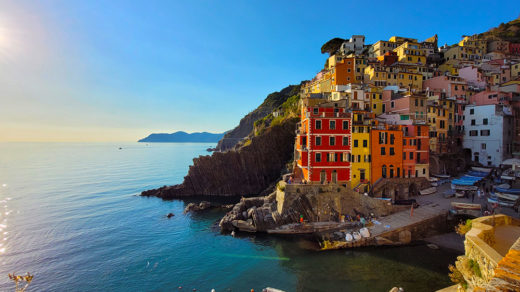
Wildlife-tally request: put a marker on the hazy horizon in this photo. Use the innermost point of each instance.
(77, 71)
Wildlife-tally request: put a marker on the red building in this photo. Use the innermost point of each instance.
(323, 143)
(514, 49)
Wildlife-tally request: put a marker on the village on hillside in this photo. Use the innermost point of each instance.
(411, 123)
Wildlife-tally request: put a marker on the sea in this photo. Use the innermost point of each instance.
(71, 215)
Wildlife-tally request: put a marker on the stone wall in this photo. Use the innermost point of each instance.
(399, 188)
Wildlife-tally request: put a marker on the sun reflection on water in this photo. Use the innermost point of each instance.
(3, 217)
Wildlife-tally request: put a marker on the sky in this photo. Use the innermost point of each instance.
(120, 70)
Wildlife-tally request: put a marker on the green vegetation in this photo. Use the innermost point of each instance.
(474, 266)
(463, 228)
(20, 280)
(332, 46)
(505, 31)
(288, 109)
(456, 276)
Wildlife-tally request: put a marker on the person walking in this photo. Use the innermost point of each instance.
(472, 196)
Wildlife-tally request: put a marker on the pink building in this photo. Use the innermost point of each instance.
(409, 106)
(473, 77)
(452, 86)
(491, 97)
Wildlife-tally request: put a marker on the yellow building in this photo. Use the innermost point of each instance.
(379, 75)
(410, 52)
(441, 119)
(474, 42)
(375, 94)
(515, 71)
(456, 54)
(360, 158)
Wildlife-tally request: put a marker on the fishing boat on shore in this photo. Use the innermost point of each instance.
(465, 206)
(501, 202)
(507, 191)
(428, 191)
(510, 197)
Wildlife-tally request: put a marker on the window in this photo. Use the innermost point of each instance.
(473, 133)
(318, 125)
(315, 110)
(416, 102)
(345, 125)
(318, 157)
(392, 138)
(318, 141)
(392, 151)
(485, 121)
(484, 132)
(383, 152)
(383, 171)
(411, 155)
(483, 146)
(404, 142)
(332, 141)
(365, 143)
(332, 125)
(471, 111)
(345, 141)
(424, 171)
(392, 104)
(355, 143)
(473, 122)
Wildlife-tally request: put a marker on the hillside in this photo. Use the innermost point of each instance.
(181, 136)
(509, 31)
(245, 127)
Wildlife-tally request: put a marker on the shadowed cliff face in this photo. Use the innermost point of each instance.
(249, 170)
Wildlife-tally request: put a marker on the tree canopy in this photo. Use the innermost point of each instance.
(332, 46)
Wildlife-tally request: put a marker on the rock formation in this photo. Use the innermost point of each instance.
(245, 127)
(246, 171)
(315, 202)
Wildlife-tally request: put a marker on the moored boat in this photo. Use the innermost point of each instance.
(428, 191)
(465, 206)
(356, 235)
(507, 191)
(511, 197)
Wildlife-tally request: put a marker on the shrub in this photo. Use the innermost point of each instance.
(463, 228)
(456, 276)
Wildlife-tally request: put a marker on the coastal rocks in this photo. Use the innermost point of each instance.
(313, 202)
(170, 215)
(204, 205)
(249, 170)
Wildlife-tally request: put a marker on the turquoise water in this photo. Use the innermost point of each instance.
(69, 214)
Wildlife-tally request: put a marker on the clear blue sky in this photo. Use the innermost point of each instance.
(118, 70)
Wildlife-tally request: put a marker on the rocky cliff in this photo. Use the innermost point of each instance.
(248, 170)
(271, 102)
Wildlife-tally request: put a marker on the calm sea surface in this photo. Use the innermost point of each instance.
(69, 214)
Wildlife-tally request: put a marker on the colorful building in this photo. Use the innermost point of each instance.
(323, 143)
(386, 150)
(360, 158)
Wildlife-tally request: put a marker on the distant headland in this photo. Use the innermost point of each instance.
(181, 136)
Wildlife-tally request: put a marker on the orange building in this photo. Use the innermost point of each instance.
(387, 152)
(344, 72)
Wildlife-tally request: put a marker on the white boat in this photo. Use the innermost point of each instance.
(428, 191)
(348, 237)
(364, 232)
(356, 235)
(482, 169)
(501, 203)
(504, 186)
(460, 194)
(509, 197)
(442, 175)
